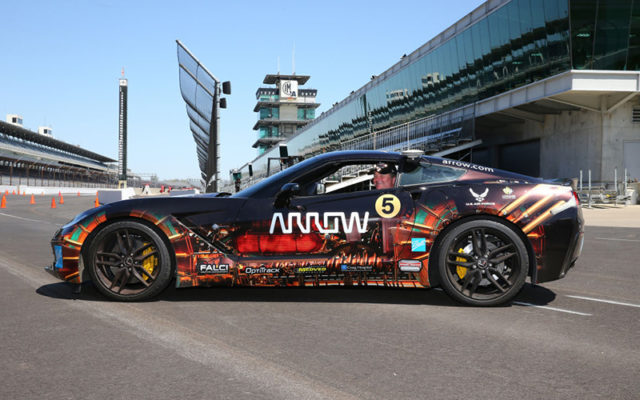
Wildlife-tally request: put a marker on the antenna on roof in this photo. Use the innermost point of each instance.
(278, 65)
(293, 59)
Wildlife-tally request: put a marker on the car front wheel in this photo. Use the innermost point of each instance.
(128, 261)
(482, 262)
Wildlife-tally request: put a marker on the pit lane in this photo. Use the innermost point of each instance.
(576, 337)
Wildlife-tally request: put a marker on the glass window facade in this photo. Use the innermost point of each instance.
(306, 113)
(519, 42)
(268, 131)
(269, 112)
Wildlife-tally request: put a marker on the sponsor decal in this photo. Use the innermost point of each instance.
(508, 193)
(332, 221)
(418, 244)
(387, 206)
(261, 270)
(313, 269)
(479, 198)
(410, 265)
(205, 268)
(356, 268)
(467, 165)
(58, 254)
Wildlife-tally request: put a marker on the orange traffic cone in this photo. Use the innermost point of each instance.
(24, 193)
(3, 202)
(53, 202)
(61, 199)
(6, 191)
(13, 193)
(78, 194)
(33, 200)
(96, 203)
(59, 193)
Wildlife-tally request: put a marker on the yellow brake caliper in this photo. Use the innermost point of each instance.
(460, 270)
(150, 263)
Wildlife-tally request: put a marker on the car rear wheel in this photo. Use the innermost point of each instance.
(482, 262)
(129, 261)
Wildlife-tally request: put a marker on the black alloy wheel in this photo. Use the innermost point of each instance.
(129, 261)
(482, 262)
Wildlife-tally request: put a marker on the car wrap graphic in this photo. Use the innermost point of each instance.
(201, 263)
(377, 238)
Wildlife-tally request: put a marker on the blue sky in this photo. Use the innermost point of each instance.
(62, 60)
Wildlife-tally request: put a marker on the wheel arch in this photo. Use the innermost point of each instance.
(434, 276)
(89, 239)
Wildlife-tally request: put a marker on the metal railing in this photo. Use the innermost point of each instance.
(604, 192)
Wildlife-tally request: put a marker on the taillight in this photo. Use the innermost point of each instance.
(575, 196)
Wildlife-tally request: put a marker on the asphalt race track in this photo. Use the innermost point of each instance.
(574, 338)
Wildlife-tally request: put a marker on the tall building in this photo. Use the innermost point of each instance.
(122, 130)
(543, 87)
(283, 109)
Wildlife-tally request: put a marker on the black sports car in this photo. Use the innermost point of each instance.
(338, 219)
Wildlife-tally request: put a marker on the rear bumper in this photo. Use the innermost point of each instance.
(564, 238)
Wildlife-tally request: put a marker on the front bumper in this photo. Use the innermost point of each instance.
(66, 259)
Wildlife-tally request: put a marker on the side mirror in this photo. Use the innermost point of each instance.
(285, 194)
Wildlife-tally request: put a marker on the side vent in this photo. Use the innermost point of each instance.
(635, 117)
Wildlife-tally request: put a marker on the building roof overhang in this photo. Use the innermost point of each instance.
(34, 137)
(593, 90)
(270, 141)
(276, 122)
(300, 104)
(271, 79)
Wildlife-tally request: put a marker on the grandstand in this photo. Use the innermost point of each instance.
(30, 158)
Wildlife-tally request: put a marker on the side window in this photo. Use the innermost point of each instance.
(339, 179)
(426, 172)
(349, 178)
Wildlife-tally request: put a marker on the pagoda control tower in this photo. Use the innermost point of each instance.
(282, 109)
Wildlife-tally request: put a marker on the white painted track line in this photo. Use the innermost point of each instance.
(621, 240)
(545, 307)
(27, 219)
(551, 308)
(604, 301)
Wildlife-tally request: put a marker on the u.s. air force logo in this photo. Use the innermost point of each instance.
(479, 198)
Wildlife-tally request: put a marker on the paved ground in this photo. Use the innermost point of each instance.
(615, 216)
(573, 338)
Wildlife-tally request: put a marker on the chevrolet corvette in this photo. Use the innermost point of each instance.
(475, 231)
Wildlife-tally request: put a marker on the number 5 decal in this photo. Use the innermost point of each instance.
(387, 206)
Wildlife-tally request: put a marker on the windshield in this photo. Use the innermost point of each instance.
(267, 185)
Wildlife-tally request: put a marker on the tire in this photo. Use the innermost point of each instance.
(482, 262)
(129, 261)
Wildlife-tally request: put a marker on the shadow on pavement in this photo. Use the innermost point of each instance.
(537, 295)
